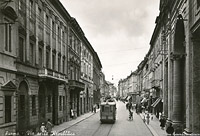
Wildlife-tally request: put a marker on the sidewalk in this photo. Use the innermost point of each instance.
(68, 124)
(154, 126)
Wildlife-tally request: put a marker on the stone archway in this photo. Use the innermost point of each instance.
(179, 76)
(23, 108)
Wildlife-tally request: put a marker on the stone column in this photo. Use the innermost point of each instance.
(177, 108)
(177, 89)
(165, 93)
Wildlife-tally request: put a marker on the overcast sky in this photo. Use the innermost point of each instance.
(119, 31)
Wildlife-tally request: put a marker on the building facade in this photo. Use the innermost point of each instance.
(96, 78)
(170, 70)
(87, 75)
(40, 65)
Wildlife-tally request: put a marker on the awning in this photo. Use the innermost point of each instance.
(127, 98)
(156, 102)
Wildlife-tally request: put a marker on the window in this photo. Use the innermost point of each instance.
(31, 53)
(40, 57)
(60, 103)
(47, 59)
(33, 105)
(31, 9)
(8, 109)
(53, 29)
(49, 104)
(58, 34)
(21, 48)
(59, 64)
(53, 61)
(47, 20)
(63, 65)
(70, 41)
(198, 3)
(63, 102)
(39, 12)
(8, 36)
(63, 37)
(21, 5)
(75, 73)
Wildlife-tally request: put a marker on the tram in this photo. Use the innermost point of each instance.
(108, 111)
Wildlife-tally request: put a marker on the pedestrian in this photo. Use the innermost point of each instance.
(170, 129)
(162, 122)
(148, 118)
(43, 129)
(72, 113)
(94, 108)
(151, 116)
(144, 119)
(49, 127)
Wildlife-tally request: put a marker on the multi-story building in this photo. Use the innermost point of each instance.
(37, 63)
(96, 78)
(74, 66)
(174, 70)
(87, 75)
(40, 64)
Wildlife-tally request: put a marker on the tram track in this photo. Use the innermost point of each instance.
(103, 130)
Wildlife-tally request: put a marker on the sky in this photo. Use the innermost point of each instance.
(119, 31)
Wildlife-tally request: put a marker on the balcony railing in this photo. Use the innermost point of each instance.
(48, 73)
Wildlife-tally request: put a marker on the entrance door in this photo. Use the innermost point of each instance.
(23, 108)
(41, 102)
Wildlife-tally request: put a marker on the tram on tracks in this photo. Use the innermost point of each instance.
(108, 111)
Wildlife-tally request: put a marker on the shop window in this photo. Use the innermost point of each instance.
(8, 108)
(34, 105)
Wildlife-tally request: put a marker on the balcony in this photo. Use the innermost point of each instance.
(76, 85)
(51, 74)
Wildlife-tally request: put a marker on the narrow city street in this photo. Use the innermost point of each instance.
(122, 127)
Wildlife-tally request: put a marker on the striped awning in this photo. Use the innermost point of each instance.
(156, 102)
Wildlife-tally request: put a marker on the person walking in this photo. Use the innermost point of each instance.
(49, 127)
(43, 129)
(72, 113)
(162, 122)
(94, 108)
(148, 118)
(170, 129)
